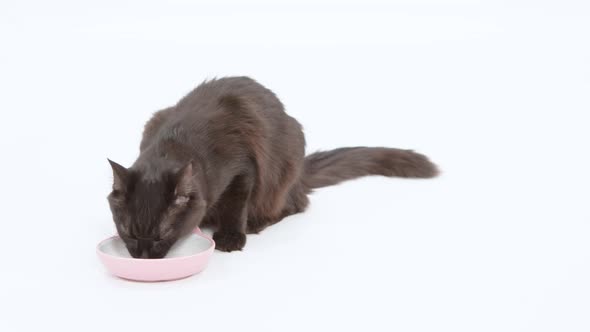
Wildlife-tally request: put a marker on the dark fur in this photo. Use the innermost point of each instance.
(228, 156)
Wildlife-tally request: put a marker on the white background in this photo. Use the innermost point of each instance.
(496, 92)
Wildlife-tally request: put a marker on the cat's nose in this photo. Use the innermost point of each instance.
(145, 246)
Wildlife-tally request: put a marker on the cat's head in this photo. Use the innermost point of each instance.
(151, 211)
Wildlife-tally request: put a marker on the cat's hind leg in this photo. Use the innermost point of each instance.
(296, 202)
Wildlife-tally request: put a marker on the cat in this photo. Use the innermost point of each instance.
(229, 157)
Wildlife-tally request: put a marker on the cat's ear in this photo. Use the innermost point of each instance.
(120, 176)
(185, 185)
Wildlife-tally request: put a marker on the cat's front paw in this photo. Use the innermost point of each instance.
(229, 240)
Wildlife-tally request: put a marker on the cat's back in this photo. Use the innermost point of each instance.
(207, 96)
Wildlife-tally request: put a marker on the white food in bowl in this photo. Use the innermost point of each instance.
(187, 246)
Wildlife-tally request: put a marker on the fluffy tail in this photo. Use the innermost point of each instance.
(326, 168)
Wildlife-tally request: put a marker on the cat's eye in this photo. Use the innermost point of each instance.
(131, 243)
(158, 245)
(181, 200)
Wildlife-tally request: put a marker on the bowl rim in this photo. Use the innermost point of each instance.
(197, 232)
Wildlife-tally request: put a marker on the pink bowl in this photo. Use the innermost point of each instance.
(188, 256)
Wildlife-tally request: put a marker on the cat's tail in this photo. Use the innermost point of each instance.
(326, 168)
